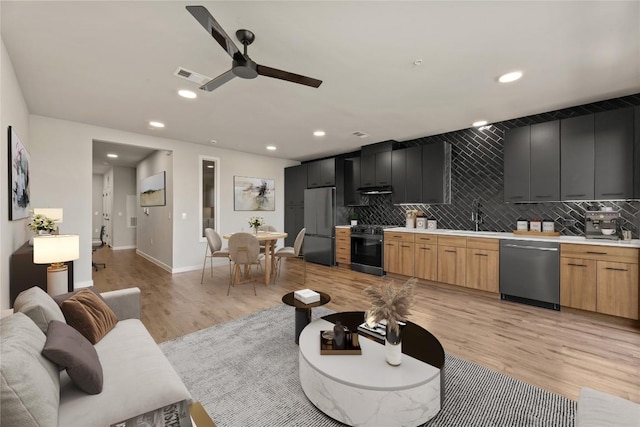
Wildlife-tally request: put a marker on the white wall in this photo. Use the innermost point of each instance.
(124, 184)
(13, 112)
(57, 144)
(96, 197)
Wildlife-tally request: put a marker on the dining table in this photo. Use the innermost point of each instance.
(269, 238)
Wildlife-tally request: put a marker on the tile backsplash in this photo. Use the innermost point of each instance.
(477, 172)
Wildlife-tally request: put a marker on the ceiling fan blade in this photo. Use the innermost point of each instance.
(218, 81)
(285, 75)
(205, 19)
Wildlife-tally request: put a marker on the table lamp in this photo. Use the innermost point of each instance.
(56, 250)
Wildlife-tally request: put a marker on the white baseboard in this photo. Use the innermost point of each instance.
(155, 261)
(120, 248)
(188, 268)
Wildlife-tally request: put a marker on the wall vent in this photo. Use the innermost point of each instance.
(199, 79)
(359, 134)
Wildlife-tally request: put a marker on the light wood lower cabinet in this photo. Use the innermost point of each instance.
(343, 246)
(600, 278)
(426, 256)
(451, 265)
(398, 253)
(483, 269)
(578, 283)
(617, 289)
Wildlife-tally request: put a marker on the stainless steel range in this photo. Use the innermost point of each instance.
(366, 248)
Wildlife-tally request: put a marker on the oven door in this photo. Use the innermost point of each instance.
(366, 253)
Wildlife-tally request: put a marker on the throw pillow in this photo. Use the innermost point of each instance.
(39, 306)
(67, 348)
(29, 382)
(87, 313)
(59, 299)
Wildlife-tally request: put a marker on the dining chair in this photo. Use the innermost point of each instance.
(293, 252)
(95, 245)
(213, 250)
(267, 228)
(244, 251)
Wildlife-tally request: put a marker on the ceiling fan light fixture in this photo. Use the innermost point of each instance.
(319, 133)
(187, 94)
(510, 77)
(157, 125)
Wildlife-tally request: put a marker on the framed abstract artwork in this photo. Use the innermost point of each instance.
(253, 194)
(153, 191)
(18, 177)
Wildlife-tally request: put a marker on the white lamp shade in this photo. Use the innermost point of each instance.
(54, 213)
(56, 248)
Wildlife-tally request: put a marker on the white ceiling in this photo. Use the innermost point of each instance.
(111, 64)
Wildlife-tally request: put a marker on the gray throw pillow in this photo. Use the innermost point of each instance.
(29, 382)
(69, 349)
(39, 306)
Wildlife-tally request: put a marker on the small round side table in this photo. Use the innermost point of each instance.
(303, 311)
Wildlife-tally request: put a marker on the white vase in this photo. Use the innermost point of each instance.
(393, 347)
(354, 222)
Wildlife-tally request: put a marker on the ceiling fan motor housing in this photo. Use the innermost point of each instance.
(245, 69)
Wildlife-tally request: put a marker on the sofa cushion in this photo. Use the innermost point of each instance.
(138, 378)
(67, 348)
(39, 306)
(59, 299)
(29, 383)
(597, 409)
(89, 314)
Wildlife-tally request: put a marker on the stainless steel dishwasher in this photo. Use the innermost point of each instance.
(530, 272)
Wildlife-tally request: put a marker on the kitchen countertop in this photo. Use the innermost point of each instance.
(635, 243)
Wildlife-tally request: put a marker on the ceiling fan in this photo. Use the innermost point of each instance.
(242, 65)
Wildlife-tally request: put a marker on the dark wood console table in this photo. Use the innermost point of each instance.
(24, 274)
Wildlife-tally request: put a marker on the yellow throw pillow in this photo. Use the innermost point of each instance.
(89, 315)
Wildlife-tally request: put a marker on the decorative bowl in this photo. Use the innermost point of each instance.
(607, 231)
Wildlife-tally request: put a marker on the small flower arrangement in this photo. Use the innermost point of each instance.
(40, 222)
(256, 221)
(390, 303)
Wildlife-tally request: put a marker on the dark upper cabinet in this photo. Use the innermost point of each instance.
(368, 170)
(544, 180)
(295, 182)
(375, 169)
(577, 158)
(406, 175)
(614, 143)
(517, 157)
(383, 168)
(352, 181)
(636, 150)
(436, 173)
(321, 173)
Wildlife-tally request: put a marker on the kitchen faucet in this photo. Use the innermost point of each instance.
(476, 214)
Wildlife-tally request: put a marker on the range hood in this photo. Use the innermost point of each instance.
(382, 189)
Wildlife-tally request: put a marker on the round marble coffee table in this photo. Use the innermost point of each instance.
(364, 390)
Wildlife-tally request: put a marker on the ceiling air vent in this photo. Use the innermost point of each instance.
(196, 78)
(359, 134)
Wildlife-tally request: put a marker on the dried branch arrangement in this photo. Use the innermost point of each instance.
(390, 303)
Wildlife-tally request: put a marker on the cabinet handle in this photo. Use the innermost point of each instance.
(576, 195)
(616, 269)
(612, 194)
(425, 249)
(546, 196)
(406, 246)
(481, 255)
(515, 197)
(596, 253)
(447, 250)
(576, 265)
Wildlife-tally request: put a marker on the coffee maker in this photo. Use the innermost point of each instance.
(601, 224)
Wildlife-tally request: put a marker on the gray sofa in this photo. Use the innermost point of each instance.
(137, 376)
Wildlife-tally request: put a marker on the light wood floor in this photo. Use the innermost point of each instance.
(560, 351)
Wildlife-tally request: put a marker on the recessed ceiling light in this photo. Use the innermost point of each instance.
(213, 141)
(510, 77)
(113, 156)
(271, 147)
(417, 62)
(156, 124)
(187, 94)
(479, 123)
(319, 133)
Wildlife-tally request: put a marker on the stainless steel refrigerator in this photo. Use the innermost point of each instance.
(320, 221)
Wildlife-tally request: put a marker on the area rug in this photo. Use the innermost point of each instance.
(245, 373)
